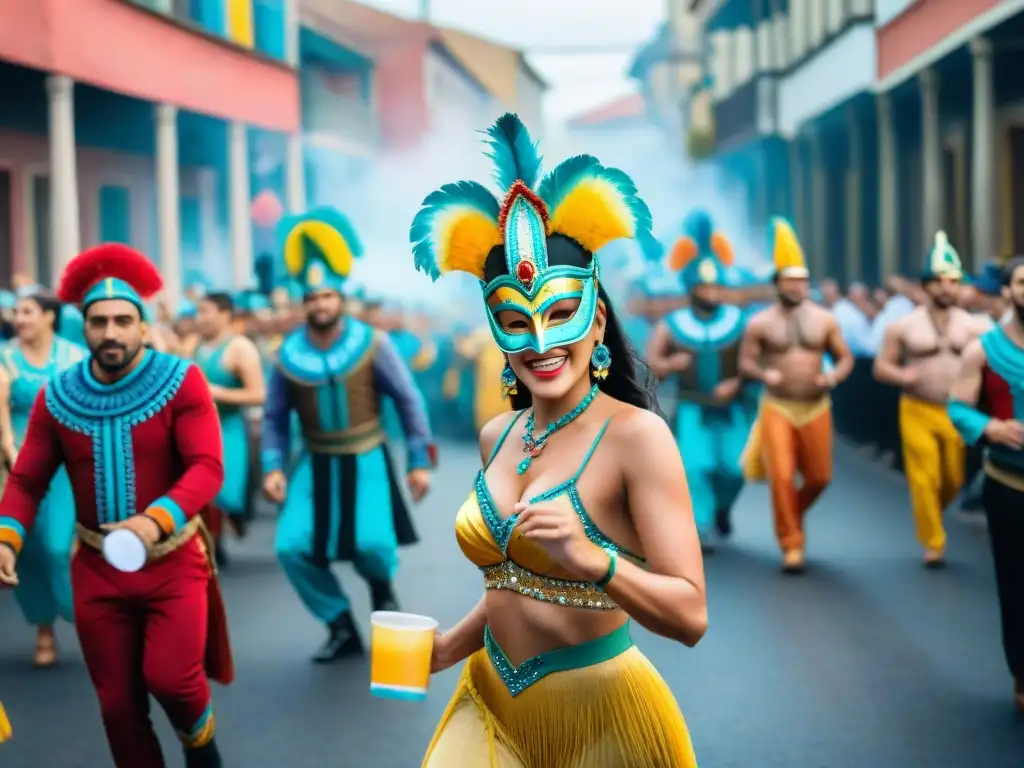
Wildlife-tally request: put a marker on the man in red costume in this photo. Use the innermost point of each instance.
(139, 436)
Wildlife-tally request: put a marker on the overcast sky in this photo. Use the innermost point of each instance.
(580, 81)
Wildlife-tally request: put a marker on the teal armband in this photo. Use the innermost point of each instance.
(613, 560)
(968, 420)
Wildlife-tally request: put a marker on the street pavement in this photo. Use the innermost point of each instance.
(868, 661)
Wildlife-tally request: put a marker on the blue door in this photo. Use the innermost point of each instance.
(115, 215)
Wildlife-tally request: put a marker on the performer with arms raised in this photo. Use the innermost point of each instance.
(138, 434)
(575, 541)
(784, 347)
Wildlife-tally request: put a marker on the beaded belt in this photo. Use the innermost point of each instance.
(575, 594)
(94, 539)
(359, 439)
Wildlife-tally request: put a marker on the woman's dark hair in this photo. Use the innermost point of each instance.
(629, 378)
(47, 303)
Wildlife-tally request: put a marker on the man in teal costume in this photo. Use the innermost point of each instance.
(698, 346)
(343, 501)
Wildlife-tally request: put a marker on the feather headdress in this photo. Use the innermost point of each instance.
(320, 248)
(580, 198)
(109, 271)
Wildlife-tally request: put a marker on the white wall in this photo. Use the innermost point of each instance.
(454, 102)
(841, 70)
(530, 102)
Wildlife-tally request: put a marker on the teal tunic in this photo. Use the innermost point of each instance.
(233, 496)
(344, 498)
(44, 566)
(711, 437)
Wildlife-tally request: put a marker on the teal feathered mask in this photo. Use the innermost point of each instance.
(460, 225)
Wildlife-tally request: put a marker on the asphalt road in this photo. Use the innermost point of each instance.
(868, 661)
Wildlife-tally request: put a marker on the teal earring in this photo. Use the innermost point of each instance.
(600, 362)
(508, 381)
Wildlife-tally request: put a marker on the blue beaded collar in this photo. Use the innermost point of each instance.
(78, 400)
(301, 361)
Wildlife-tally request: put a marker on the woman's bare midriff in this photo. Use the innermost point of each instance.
(526, 627)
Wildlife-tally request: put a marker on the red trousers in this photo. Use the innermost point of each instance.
(146, 633)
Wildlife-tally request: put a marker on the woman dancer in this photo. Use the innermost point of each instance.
(26, 364)
(575, 541)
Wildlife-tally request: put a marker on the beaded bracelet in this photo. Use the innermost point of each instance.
(613, 560)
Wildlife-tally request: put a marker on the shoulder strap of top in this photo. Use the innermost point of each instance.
(501, 439)
(593, 447)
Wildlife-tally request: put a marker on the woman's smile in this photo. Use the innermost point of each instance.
(547, 367)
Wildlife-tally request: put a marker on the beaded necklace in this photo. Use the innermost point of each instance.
(532, 446)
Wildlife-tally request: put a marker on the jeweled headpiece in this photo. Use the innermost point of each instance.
(460, 224)
(319, 248)
(943, 260)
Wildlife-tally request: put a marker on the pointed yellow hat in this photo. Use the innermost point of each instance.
(785, 249)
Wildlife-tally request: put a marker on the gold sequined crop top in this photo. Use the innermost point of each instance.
(511, 561)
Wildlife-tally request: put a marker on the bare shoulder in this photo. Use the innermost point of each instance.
(635, 431)
(974, 354)
(493, 430)
(761, 319)
(242, 344)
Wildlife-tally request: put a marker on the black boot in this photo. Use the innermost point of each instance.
(723, 523)
(382, 596)
(342, 641)
(204, 757)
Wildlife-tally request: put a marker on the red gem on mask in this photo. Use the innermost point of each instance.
(526, 271)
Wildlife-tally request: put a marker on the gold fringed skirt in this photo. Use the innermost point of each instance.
(617, 713)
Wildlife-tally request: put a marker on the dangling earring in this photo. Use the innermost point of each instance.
(600, 362)
(508, 381)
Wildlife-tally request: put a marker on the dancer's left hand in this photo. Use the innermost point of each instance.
(559, 531)
(146, 528)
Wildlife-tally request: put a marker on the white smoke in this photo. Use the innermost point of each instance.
(670, 183)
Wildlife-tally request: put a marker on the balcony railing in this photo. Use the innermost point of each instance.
(255, 24)
(736, 116)
(345, 121)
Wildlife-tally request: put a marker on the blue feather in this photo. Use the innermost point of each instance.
(333, 218)
(457, 194)
(651, 247)
(564, 177)
(700, 227)
(513, 152)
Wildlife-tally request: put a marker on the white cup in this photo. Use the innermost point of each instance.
(125, 551)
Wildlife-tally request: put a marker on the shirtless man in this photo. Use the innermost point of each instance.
(784, 347)
(920, 354)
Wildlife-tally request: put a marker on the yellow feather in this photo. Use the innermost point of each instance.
(787, 252)
(593, 214)
(5, 726)
(334, 248)
(464, 239)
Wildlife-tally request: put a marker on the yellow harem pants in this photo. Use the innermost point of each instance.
(791, 437)
(618, 713)
(933, 458)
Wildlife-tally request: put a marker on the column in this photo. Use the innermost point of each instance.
(291, 32)
(168, 201)
(796, 175)
(64, 225)
(295, 175)
(931, 155)
(983, 178)
(238, 194)
(888, 240)
(818, 255)
(854, 199)
(210, 235)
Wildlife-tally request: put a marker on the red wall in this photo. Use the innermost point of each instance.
(120, 47)
(401, 96)
(922, 26)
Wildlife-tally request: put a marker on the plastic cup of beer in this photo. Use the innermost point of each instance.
(401, 645)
